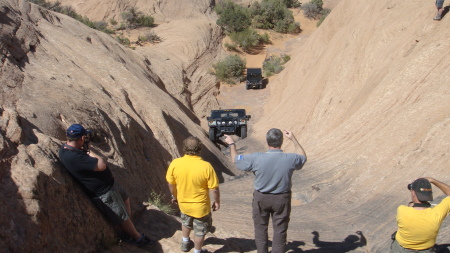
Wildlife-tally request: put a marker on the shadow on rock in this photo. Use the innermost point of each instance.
(350, 243)
(232, 244)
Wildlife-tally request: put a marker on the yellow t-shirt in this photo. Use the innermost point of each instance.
(193, 178)
(418, 229)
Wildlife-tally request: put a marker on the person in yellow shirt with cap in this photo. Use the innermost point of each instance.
(190, 180)
(419, 222)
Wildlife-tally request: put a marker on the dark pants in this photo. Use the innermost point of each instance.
(279, 207)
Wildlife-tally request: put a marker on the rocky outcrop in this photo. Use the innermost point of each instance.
(56, 72)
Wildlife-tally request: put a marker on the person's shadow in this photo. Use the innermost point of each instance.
(350, 243)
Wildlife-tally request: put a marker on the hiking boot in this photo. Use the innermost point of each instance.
(438, 17)
(144, 241)
(186, 246)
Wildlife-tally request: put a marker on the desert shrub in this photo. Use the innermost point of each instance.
(324, 14)
(232, 17)
(231, 47)
(246, 39)
(274, 64)
(133, 18)
(265, 38)
(113, 21)
(151, 37)
(292, 3)
(313, 9)
(274, 14)
(230, 69)
(123, 40)
(158, 201)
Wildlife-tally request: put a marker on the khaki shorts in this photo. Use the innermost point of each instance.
(112, 204)
(201, 226)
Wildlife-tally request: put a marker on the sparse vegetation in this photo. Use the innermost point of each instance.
(274, 64)
(230, 69)
(157, 200)
(113, 21)
(325, 13)
(69, 11)
(123, 40)
(246, 39)
(134, 18)
(151, 37)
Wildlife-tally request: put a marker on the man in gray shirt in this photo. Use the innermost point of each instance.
(272, 196)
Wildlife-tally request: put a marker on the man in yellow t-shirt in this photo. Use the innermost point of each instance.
(190, 179)
(419, 222)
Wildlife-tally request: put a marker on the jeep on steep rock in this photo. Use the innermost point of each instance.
(227, 121)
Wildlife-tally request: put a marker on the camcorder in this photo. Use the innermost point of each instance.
(87, 140)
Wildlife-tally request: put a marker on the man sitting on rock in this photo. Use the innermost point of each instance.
(419, 222)
(96, 179)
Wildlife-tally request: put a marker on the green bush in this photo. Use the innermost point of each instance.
(123, 40)
(231, 47)
(232, 17)
(151, 37)
(324, 13)
(230, 69)
(274, 64)
(246, 39)
(134, 18)
(313, 9)
(265, 38)
(113, 21)
(274, 14)
(156, 199)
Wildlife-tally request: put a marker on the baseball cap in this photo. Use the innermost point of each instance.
(422, 188)
(76, 131)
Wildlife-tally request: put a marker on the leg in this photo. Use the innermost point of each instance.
(280, 221)
(185, 231)
(261, 222)
(198, 242)
(128, 227)
(127, 206)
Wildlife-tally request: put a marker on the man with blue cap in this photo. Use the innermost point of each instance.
(96, 179)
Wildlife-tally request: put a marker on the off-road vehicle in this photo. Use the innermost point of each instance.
(228, 121)
(254, 78)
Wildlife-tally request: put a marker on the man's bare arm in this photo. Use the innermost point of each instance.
(445, 188)
(216, 201)
(173, 191)
(233, 152)
(101, 164)
(298, 148)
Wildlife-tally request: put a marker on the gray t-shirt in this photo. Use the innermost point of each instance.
(272, 169)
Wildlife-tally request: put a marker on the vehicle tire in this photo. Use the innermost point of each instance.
(212, 134)
(246, 87)
(243, 132)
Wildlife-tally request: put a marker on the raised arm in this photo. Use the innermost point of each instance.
(101, 164)
(298, 148)
(445, 188)
(233, 152)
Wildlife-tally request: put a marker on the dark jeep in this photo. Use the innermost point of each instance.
(228, 121)
(254, 78)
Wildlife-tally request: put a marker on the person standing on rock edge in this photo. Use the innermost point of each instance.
(96, 179)
(190, 180)
(440, 9)
(273, 171)
(419, 222)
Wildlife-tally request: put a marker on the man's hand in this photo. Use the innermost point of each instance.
(228, 140)
(215, 206)
(174, 200)
(289, 135)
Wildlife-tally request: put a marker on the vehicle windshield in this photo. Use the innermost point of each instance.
(226, 114)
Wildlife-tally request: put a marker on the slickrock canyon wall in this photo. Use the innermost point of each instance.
(368, 96)
(56, 72)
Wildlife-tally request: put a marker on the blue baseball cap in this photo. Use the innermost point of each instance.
(76, 131)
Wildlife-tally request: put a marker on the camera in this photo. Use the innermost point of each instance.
(87, 139)
(409, 186)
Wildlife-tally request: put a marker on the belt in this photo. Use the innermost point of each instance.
(273, 193)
